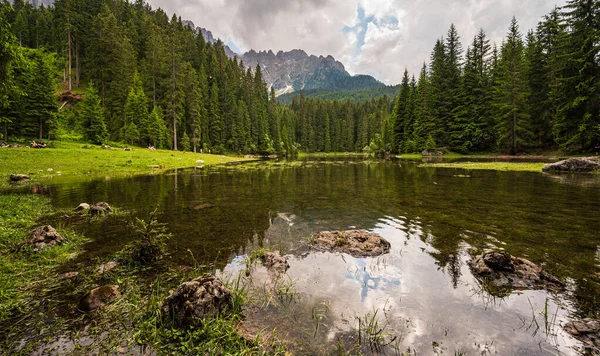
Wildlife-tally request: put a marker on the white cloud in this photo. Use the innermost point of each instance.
(317, 26)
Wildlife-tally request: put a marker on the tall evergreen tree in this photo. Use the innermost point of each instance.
(92, 116)
(136, 112)
(577, 125)
(512, 93)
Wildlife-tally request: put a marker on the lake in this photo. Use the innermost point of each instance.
(422, 295)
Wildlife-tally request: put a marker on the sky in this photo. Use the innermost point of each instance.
(377, 37)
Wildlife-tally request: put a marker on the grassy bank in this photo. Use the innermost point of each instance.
(71, 159)
(494, 166)
(21, 272)
(38, 309)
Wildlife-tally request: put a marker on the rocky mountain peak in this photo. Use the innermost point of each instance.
(296, 70)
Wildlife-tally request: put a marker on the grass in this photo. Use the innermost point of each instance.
(39, 307)
(494, 166)
(74, 159)
(20, 271)
(303, 155)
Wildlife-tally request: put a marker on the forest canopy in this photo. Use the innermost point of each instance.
(148, 79)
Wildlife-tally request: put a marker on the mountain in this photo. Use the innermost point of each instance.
(295, 70)
(208, 37)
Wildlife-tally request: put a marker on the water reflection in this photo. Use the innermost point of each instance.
(431, 218)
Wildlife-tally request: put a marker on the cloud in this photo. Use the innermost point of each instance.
(377, 37)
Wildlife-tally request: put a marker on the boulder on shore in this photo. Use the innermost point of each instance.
(98, 297)
(44, 236)
(501, 270)
(574, 165)
(204, 297)
(357, 243)
(18, 177)
(100, 208)
(586, 331)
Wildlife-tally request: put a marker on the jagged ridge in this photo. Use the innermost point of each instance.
(293, 71)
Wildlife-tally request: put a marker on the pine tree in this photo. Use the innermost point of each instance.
(9, 54)
(401, 114)
(136, 113)
(41, 90)
(453, 95)
(326, 125)
(537, 79)
(92, 117)
(436, 123)
(511, 94)
(185, 142)
(577, 125)
(474, 116)
(158, 134)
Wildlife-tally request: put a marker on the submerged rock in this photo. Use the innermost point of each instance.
(357, 243)
(274, 261)
(18, 177)
(574, 165)
(586, 331)
(204, 297)
(100, 208)
(83, 206)
(501, 270)
(98, 297)
(45, 236)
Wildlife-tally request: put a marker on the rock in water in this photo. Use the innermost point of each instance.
(101, 208)
(83, 206)
(18, 177)
(274, 261)
(575, 165)
(45, 236)
(502, 270)
(357, 243)
(204, 297)
(499, 261)
(586, 331)
(98, 297)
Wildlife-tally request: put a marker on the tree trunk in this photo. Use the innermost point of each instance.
(194, 140)
(173, 100)
(41, 129)
(69, 57)
(77, 66)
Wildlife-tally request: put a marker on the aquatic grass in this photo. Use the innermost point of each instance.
(21, 270)
(318, 314)
(372, 332)
(29, 278)
(494, 166)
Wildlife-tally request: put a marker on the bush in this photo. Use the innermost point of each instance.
(151, 245)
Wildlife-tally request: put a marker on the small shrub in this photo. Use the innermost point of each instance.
(151, 245)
